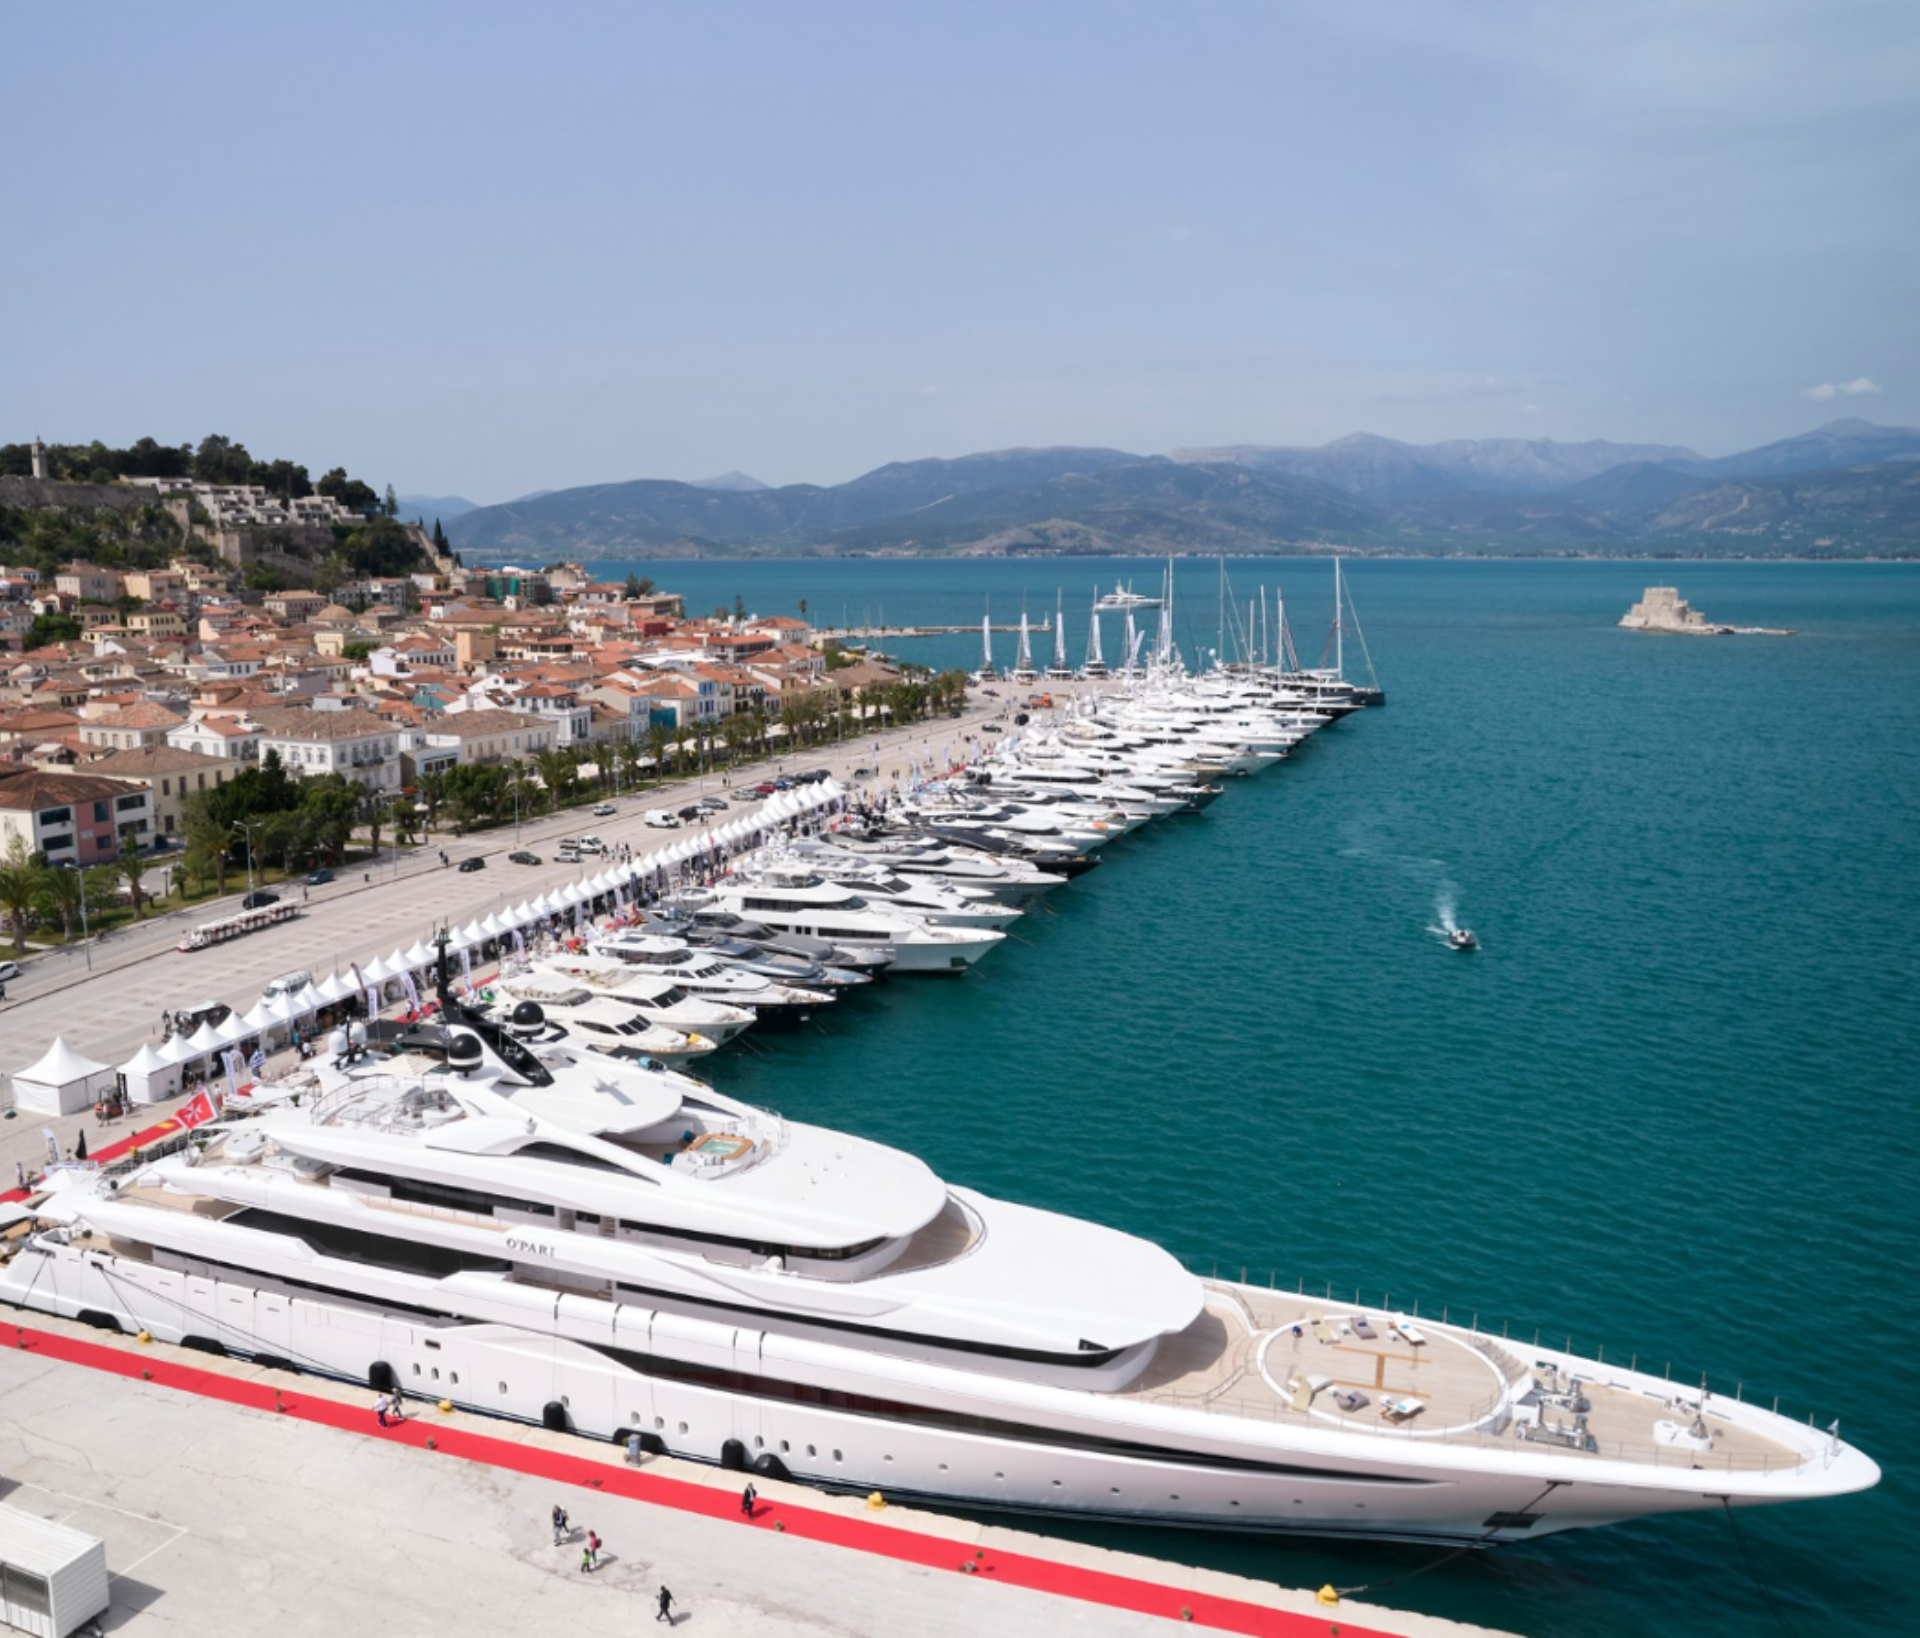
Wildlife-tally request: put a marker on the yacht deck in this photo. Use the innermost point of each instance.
(1283, 1358)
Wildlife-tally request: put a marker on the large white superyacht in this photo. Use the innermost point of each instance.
(538, 1232)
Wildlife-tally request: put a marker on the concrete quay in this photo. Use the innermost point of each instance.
(235, 1499)
(107, 1000)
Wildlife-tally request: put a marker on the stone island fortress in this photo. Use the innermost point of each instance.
(1662, 609)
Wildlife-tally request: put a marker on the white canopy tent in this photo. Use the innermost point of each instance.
(149, 1076)
(63, 1082)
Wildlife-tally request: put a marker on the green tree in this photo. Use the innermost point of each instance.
(20, 881)
(349, 492)
(391, 504)
(129, 866)
(52, 628)
(58, 899)
(556, 773)
(207, 838)
(657, 747)
(221, 460)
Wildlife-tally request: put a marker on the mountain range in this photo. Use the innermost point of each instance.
(1849, 488)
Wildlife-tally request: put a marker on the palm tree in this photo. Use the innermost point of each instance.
(207, 839)
(556, 773)
(19, 889)
(657, 749)
(130, 867)
(58, 898)
(431, 786)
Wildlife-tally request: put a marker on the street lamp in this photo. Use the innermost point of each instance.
(241, 826)
(86, 937)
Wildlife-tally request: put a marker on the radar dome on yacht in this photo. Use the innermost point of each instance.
(528, 1015)
(464, 1052)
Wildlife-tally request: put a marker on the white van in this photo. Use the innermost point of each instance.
(286, 984)
(661, 819)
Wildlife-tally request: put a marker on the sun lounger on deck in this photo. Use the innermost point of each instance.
(1302, 1386)
(1410, 1332)
(1363, 1327)
(1404, 1409)
(1321, 1329)
(1350, 1399)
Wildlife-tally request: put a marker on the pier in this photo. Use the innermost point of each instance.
(867, 634)
(444, 1520)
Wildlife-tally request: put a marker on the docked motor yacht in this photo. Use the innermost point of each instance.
(869, 960)
(1010, 880)
(796, 896)
(938, 903)
(751, 957)
(595, 1022)
(534, 1231)
(650, 995)
(706, 976)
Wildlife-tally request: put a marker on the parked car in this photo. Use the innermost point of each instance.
(713, 804)
(320, 877)
(590, 844)
(766, 787)
(9, 971)
(286, 984)
(475, 863)
(691, 814)
(604, 810)
(660, 819)
(195, 1013)
(259, 899)
(989, 727)
(521, 855)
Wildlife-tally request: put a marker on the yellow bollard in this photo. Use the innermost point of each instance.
(876, 1501)
(446, 1407)
(1327, 1595)
(144, 1338)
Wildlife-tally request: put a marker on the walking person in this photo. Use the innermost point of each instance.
(665, 1612)
(747, 1498)
(380, 1411)
(590, 1559)
(559, 1525)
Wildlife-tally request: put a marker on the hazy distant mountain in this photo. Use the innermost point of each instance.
(1851, 442)
(1386, 469)
(1362, 492)
(443, 507)
(727, 480)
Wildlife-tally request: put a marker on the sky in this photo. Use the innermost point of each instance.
(482, 249)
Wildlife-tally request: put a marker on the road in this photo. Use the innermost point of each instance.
(107, 1010)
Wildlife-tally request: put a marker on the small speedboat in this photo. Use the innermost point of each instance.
(1461, 938)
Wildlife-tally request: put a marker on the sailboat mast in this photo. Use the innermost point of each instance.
(1339, 626)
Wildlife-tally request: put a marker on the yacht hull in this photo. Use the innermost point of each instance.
(826, 1415)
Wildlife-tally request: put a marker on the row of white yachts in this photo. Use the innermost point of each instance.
(928, 883)
(524, 1208)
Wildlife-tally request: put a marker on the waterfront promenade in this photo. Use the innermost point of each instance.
(235, 1499)
(107, 1009)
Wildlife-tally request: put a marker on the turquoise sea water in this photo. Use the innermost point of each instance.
(1666, 1111)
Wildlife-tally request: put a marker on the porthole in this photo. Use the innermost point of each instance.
(1173, 1498)
(454, 1378)
(785, 1447)
(683, 1427)
(1113, 1490)
(886, 1458)
(565, 1401)
(759, 1443)
(1233, 1504)
(943, 1467)
(659, 1422)
(416, 1370)
(1056, 1484)
(436, 1373)
(999, 1475)
(811, 1452)
(836, 1454)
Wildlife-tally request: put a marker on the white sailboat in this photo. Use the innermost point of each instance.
(1023, 671)
(1059, 671)
(1096, 667)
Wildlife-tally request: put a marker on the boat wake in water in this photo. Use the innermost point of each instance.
(1446, 925)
